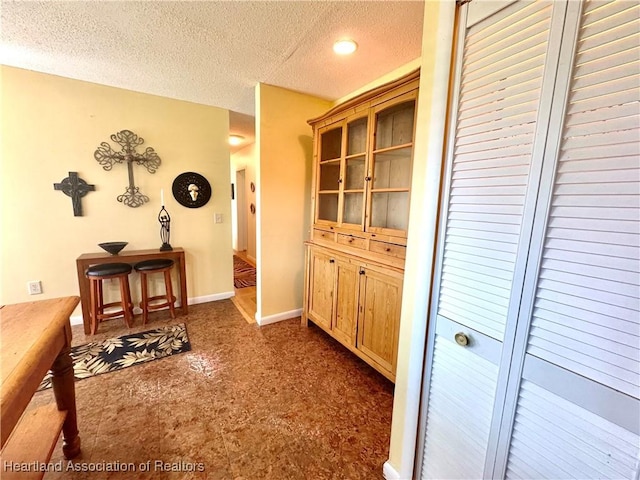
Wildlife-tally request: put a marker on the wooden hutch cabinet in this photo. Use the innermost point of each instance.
(363, 152)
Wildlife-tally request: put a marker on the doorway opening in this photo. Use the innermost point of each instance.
(243, 264)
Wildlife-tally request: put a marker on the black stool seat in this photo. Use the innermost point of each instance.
(156, 264)
(108, 269)
(149, 303)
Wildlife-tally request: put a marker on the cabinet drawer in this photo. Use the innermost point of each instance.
(352, 241)
(323, 235)
(388, 249)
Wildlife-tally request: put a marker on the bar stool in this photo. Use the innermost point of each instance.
(147, 267)
(96, 274)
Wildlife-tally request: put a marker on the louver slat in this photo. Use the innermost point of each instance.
(593, 232)
(461, 381)
(562, 440)
(500, 92)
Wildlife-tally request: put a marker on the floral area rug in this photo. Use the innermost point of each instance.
(244, 274)
(121, 352)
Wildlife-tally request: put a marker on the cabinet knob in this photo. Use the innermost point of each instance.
(361, 272)
(339, 180)
(461, 339)
(332, 260)
(368, 179)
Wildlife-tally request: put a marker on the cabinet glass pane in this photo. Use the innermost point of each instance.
(354, 178)
(392, 169)
(394, 126)
(328, 207)
(357, 136)
(330, 176)
(390, 210)
(330, 144)
(352, 208)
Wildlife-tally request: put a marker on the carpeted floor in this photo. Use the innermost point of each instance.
(246, 403)
(244, 274)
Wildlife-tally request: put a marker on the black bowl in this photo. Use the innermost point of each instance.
(113, 247)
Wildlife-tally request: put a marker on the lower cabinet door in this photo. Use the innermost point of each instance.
(322, 287)
(347, 283)
(379, 316)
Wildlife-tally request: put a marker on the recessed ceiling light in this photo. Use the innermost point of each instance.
(235, 140)
(345, 47)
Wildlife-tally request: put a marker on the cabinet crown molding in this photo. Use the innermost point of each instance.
(367, 96)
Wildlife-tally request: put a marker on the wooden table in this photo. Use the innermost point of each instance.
(85, 260)
(35, 337)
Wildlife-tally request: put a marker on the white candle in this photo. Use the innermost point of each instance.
(162, 197)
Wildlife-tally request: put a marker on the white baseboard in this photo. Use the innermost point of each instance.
(211, 298)
(77, 319)
(278, 317)
(389, 472)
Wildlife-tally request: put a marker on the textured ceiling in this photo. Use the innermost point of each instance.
(212, 52)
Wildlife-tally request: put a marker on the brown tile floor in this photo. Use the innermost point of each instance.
(250, 403)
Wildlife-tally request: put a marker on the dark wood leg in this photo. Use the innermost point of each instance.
(83, 286)
(183, 283)
(169, 289)
(144, 304)
(96, 294)
(65, 392)
(125, 294)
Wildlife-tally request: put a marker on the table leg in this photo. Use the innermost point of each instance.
(65, 393)
(183, 283)
(83, 285)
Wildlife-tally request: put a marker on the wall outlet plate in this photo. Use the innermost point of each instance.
(34, 287)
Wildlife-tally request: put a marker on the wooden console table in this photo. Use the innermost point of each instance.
(36, 337)
(85, 260)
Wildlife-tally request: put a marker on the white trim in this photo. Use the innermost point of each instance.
(278, 317)
(423, 214)
(214, 297)
(77, 319)
(389, 472)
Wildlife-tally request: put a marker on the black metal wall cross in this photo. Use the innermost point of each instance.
(149, 159)
(76, 188)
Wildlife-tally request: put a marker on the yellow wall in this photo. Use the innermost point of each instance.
(428, 155)
(245, 159)
(51, 126)
(285, 143)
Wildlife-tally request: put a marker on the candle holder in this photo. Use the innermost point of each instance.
(165, 227)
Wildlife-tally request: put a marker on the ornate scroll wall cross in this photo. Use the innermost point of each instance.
(107, 157)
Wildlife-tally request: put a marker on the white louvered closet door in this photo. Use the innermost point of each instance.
(578, 406)
(503, 71)
(538, 256)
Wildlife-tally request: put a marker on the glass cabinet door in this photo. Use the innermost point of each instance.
(354, 174)
(390, 170)
(329, 175)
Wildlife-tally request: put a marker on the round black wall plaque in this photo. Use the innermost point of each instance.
(191, 190)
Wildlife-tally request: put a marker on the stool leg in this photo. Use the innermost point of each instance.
(144, 304)
(94, 305)
(125, 294)
(100, 298)
(169, 289)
